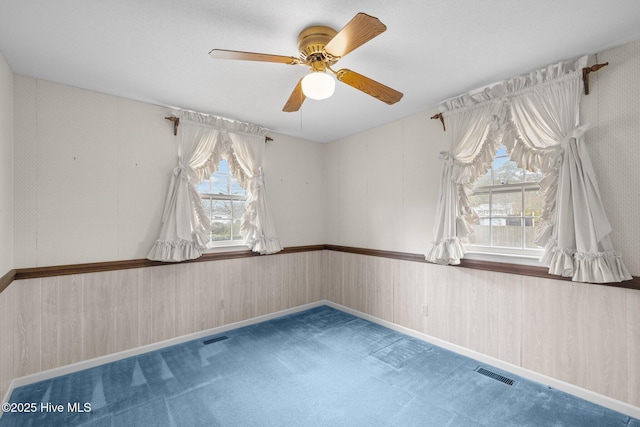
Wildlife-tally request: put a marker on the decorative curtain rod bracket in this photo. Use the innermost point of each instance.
(585, 74)
(441, 117)
(176, 122)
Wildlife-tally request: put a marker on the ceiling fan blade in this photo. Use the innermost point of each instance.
(250, 56)
(368, 86)
(357, 32)
(295, 100)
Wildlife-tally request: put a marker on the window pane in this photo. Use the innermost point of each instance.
(238, 209)
(531, 228)
(221, 209)
(485, 179)
(480, 203)
(219, 183)
(237, 189)
(532, 203)
(220, 230)
(502, 152)
(507, 232)
(506, 172)
(236, 232)
(204, 186)
(533, 176)
(222, 206)
(509, 213)
(481, 233)
(508, 203)
(206, 204)
(223, 167)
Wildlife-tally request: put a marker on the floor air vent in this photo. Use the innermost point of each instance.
(495, 376)
(216, 339)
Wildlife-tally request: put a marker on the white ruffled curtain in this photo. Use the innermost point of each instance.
(537, 117)
(471, 129)
(185, 227)
(202, 142)
(257, 224)
(545, 111)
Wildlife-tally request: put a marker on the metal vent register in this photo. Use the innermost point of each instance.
(495, 376)
(216, 339)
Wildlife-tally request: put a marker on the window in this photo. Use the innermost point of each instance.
(223, 200)
(509, 204)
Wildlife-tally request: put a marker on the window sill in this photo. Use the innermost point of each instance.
(520, 259)
(227, 247)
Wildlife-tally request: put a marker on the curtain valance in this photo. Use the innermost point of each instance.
(536, 116)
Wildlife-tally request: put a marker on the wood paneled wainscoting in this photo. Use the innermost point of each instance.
(48, 322)
(585, 335)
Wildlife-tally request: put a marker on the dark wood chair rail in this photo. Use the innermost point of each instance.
(62, 270)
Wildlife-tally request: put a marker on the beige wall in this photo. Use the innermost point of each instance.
(613, 110)
(296, 184)
(93, 172)
(6, 167)
(382, 185)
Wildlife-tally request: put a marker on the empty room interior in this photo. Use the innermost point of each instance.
(466, 187)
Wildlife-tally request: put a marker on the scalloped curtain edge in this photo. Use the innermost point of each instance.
(598, 267)
(174, 251)
(266, 245)
(447, 252)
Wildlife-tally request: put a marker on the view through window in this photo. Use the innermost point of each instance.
(223, 200)
(509, 204)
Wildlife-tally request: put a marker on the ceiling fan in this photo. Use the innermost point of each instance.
(320, 48)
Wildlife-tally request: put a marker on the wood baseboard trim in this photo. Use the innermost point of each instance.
(62, 270)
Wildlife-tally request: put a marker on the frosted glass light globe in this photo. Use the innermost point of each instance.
(318, 85)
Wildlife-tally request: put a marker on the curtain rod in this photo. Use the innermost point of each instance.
(585, 80)
(176, 123)
(585, 74)
(441, 117)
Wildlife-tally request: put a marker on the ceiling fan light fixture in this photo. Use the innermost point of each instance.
(320, 47)
(318, 85)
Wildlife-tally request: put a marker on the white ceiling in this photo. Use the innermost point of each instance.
(156, 51)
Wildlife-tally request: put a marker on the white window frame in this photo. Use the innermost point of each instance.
(215, 245)
(528, 256)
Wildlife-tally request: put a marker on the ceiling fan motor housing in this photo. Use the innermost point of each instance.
(311, 43)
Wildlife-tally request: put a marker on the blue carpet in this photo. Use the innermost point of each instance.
(320, 367)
